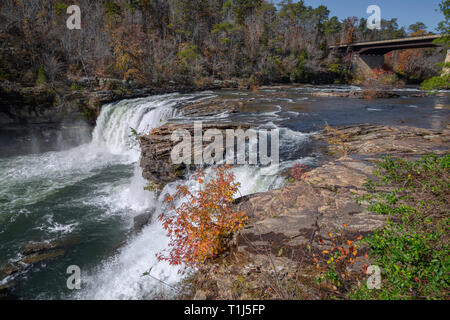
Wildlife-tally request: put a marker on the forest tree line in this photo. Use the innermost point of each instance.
(191, 41)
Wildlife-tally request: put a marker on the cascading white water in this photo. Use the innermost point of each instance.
(120, 276)
(117, 120)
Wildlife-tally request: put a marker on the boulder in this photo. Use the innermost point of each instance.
(371, 140)
(9, 269)
(210, 107)
(141, 220)
(39, 257)
(33, 247)
(156, 147)
(36, 252)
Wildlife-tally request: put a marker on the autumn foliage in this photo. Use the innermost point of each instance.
(376, 73)
(200, 227)
(339, 258)
(297, 172)
(152, 42)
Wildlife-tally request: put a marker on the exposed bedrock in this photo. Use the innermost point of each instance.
(285, 224)
(364, 94)
(156, 148)
(33, 254)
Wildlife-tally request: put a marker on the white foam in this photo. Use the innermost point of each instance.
(116, 121)
(373, 109)
(329, 88)
(51, 226)
(121, 276)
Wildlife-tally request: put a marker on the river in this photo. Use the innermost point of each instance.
(90, 194)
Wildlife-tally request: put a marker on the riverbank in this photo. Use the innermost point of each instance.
(274, 256)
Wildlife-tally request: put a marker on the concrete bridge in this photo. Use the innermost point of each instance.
(367, 56)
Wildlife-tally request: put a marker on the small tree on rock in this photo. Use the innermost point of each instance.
(201, 226)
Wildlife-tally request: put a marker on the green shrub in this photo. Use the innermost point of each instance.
(300, 73)
(436, 83)
(76, 86)
(188, 54)
(335, 68)
(41, 77)
(60, 8)
(412, 249)
(112, 8)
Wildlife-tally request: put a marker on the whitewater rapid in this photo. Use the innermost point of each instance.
(121, 275)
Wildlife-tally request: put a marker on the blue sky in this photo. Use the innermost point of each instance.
(407, 11)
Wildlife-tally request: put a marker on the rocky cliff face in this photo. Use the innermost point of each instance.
(156, 148)
(157, 145)
(37, 119)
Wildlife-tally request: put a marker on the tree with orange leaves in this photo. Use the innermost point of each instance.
(200, 227)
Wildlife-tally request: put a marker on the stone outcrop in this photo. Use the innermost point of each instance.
(33, 253)
(359, 94)
(287, 224)
(211, 107)
(157, 166)
(141, 220)
(157, 145)
(370, 140)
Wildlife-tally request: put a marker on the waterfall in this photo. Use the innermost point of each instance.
(121, 276)
(117, 120)
(94, 191)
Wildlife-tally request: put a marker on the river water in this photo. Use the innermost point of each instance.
(89, 195)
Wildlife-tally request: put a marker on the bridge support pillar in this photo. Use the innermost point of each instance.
(446, 71)
(373, 61)
(364, 64)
